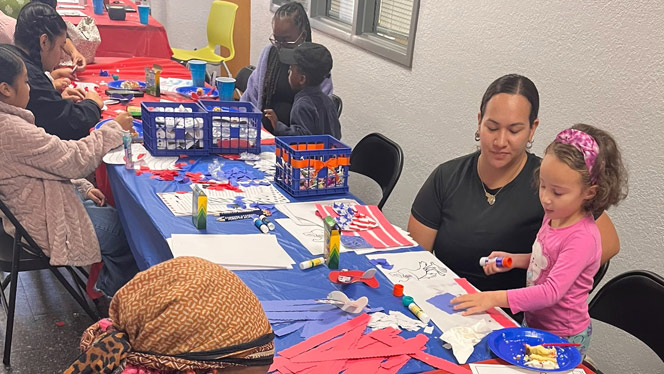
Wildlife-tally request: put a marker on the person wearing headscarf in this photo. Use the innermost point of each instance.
(183, 316)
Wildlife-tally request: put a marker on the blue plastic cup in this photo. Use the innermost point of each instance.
(225, 87)
(197, 69)
(143, 13)
(98, 6)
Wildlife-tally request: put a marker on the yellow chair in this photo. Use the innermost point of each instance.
(220, 25)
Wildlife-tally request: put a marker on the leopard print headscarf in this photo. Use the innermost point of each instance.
(183, 314)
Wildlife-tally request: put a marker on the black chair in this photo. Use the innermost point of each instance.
(633, 302)
(380, 159)
(338, 103)
(242, 77)
(600, 274)
(21, 253)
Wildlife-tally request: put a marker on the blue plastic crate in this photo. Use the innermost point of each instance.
(235, 126)
(312, 165)
(167, 132)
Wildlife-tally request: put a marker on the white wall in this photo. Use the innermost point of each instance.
(595, 62)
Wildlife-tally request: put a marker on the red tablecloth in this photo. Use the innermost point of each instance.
(134, 69)
(128, 38)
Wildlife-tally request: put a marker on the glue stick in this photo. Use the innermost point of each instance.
(311, 263)
(267, 222)
(126, 142)
(501, 262)
(416, 310)
(261, 226)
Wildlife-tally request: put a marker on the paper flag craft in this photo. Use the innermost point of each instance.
(353, 276)
(346, 348)
(384, 235)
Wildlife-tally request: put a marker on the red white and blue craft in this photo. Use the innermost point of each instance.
(367, 222)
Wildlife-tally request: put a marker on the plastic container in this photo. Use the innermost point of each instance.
(312, 165)
(144, 14)
(235, 126)
(170, 132)
(225, 87)
(98, 6)
(197, 69)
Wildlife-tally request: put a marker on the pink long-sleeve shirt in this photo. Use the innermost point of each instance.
(559, 278)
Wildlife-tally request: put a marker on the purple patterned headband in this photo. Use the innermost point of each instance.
(584, 143)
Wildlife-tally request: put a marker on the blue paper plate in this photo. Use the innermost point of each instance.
(187, 90)
(118, 84)
(508, 343)
(138, 126)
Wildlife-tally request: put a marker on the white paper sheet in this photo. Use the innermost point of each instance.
(219, 201)
(304, 214)
(509, 369)
(245, 252)
(424, 277)
(116, 157)
(71, 13)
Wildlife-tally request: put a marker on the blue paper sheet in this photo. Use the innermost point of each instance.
(442, 302)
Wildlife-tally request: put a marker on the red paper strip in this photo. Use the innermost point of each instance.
(440, 363)
(369, 365)
(409, 346)
(316, 340)
(386, 225)
(393, 364)
(494, 313)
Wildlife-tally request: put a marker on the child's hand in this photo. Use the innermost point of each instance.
(61, 84)
(125, 120)
(74, 94)
(97, 196)
(492, 268)
(272, 116)
(94, 96)
(62, 73)
(79, 60)
(479, 302)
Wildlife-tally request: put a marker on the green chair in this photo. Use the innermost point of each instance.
(220, 25)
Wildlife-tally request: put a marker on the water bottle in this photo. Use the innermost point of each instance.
(126, 143)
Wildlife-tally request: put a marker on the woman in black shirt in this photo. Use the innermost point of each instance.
(487, 201)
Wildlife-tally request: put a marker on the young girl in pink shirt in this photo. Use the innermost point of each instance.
(581, 174)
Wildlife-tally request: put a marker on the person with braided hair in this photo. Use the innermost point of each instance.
(268, 87)
(39, 40)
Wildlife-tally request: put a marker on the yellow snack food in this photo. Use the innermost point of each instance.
(540, 357)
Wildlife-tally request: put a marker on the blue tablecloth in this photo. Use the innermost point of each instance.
(147, 222)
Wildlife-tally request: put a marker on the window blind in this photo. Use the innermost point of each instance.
(342, 10)
(394, 17)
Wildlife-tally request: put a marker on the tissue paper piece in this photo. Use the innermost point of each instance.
(463, 339)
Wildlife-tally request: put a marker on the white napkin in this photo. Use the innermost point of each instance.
(464, 338)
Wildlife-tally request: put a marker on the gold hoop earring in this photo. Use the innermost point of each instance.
(477, 136)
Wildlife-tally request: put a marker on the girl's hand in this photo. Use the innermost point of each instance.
(74, 94)
(125, 120)
(79, 60)
(480, 302)
(492, 268)
(94, 96)
(97, 196)
(61, 84)
(272, 116)
(62, 73)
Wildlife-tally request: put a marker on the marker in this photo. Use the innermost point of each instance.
(311, 263)
(267, 222)
(501, 262)
(235, 218)
(261, 226)
(416, 310)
